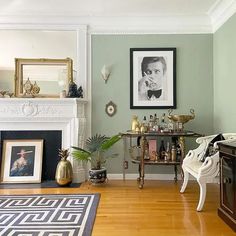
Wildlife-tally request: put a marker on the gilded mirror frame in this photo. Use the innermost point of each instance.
(19, 69)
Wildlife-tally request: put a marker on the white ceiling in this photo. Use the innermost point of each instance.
(162, 15)
(107, 7)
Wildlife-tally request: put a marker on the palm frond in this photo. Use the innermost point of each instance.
(80, 149)
(81, 155)
(109, 142)
(94, 143)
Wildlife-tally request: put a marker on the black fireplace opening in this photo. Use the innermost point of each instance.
(52, 142)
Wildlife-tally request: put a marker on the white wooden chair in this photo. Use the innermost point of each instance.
(204, 172)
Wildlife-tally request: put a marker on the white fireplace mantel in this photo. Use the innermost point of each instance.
(65, 114)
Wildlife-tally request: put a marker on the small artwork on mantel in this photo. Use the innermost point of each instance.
(22, 161)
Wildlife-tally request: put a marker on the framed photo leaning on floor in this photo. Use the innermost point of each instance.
(22, 161)
(152, 78)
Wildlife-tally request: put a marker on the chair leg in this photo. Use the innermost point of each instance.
(185, 182)
(202, 195)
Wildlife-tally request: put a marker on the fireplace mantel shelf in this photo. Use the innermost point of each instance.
(12, 108)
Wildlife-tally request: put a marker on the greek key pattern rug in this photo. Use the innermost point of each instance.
(48, 215)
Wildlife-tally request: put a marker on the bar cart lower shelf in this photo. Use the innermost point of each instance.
(160, 162)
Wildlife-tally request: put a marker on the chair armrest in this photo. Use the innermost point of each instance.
(200, 150)
(231, 139)
(193, 154)
(210, 166)
(206, 139)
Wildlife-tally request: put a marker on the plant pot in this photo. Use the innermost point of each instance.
(98, 176)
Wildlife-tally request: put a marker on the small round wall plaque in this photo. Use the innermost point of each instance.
(110, 108)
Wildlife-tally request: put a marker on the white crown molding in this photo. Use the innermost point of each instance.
(221, 12)
(150, 25)
(178, 24)
(24, 25)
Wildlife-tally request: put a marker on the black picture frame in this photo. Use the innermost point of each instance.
(145, 91)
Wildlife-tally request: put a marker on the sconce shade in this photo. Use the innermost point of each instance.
(105, 71)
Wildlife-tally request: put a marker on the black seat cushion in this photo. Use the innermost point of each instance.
(210, 148)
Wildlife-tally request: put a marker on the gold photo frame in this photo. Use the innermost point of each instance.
(22, 161)
(48, 77)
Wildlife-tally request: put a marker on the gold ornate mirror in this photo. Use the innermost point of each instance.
(51, 76)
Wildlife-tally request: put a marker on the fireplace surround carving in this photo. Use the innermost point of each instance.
(66, 114)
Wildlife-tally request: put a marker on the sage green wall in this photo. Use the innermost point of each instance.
(194, 83)
(224, 51)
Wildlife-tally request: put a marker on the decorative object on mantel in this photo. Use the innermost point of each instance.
(28, 89)
(6, 94)
(35, 89)
(64, 172)
(80, 92)
(74, 92)
(111, 108)
(96, 147)
(106, 72)
(63, 94)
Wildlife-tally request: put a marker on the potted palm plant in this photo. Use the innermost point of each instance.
(95, 153)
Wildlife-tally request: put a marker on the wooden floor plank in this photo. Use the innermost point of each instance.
(157, 209)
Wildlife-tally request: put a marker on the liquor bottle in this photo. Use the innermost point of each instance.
(162, 150)
(168, 152)
(150, 123)
(156, 121)
(164, 126)
(171, 126)
(173, 153)
(178, 152)
(144, 125)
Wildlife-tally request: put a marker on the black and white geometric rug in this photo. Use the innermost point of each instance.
(48, 215)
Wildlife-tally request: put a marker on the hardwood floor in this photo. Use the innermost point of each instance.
(157, 209)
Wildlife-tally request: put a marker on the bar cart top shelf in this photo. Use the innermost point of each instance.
(155, 133)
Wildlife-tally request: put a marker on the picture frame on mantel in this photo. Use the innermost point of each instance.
(22, 161)
(152, 78)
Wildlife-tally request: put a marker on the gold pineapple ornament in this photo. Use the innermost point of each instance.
(64, 172)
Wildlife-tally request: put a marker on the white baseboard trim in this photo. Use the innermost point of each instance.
(147, 176)
(153, 177)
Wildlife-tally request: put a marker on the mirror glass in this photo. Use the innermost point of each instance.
(50, 75)
(54, 44)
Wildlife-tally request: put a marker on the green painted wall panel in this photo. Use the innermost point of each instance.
(224, 51)
(194, 83)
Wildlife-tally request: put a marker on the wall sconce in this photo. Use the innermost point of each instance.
(105, 71)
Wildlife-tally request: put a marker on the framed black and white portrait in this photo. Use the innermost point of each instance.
(22, 161)
(152, 78)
